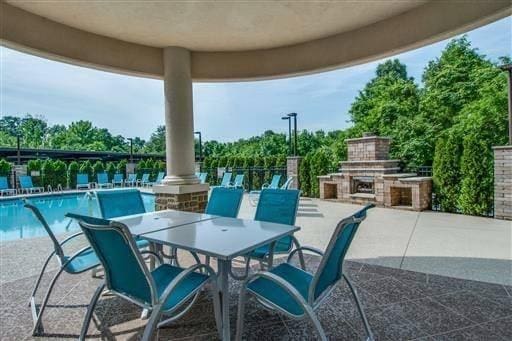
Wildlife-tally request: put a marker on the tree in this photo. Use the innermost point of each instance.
(156, 143)
(446, 169)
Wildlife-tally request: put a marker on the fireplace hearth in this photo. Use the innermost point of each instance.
(369, 175)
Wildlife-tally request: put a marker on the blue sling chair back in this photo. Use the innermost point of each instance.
(79, 262)
(163, 290)
(27, 185)
(118, 179)
(239, 181)
(82, 181)
(274, 183)
(4, 186)
(225, 202)
(145, 179)
(274, 206)
(103, 180)
(297, 293)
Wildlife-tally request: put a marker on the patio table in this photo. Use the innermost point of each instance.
(224, 239)
(159, 220)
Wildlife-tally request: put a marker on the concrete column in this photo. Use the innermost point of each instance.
(179, 117)
(180, 189)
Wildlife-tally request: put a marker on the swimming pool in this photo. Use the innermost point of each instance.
(17, 222)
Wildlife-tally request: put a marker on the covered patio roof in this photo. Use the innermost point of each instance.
(235, 40)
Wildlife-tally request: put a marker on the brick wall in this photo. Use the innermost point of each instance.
(190, 202)
(503, 182)
(368, 148)
(292, 170)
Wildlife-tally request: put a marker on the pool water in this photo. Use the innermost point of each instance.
(18, 222)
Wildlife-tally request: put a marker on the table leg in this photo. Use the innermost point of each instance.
(223, 277)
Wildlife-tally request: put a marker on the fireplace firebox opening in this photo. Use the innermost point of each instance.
(363, 184)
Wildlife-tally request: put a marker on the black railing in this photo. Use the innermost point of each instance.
(254, 177)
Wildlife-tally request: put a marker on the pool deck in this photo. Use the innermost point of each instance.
(428, 276)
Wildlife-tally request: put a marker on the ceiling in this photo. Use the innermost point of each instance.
(217, 25)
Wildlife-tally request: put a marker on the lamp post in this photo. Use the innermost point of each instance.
(289, 133)
(508, 68)
(200, 146)
(131, 149)
(18, 148)
(294, 115)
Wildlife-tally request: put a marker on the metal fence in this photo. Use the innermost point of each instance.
(254, 177)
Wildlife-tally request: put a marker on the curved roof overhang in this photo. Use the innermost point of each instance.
(422, 25)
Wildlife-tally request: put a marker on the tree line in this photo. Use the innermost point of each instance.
(449, 120)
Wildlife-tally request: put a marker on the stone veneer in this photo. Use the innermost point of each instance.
(503, 182)
(292, 170)
(190, 198)
(368, 157)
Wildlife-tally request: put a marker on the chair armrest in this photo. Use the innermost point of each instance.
(152, 254)
(183, 275)
(304, 248)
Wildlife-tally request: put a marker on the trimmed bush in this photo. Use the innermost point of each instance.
(446, 170)
(98, 168)
(86, 168)
(60, 176)
(5, 168)
(110, 169)
(321, 164)
(35, 165)
(73, 169)
(121, 167)
(477, 188)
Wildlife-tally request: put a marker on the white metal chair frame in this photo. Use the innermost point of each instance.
(312, 303)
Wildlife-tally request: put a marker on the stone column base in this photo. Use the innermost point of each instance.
(190, 198)
(293, 170)
(503, 182)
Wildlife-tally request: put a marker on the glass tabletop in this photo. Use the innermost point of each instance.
(153, 221)
(223, 238)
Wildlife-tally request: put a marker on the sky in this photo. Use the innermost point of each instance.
(134, 106)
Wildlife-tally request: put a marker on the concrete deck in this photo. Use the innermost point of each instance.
(420, 275)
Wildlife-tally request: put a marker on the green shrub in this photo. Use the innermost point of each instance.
(5, 168)
(321, 164)
(35, 165)
(477, 188)
(446, 170)
(86, 168)
(212, 172)
(98, 168)
(304, 175)
(110, 169)
(60, 176)
(48, 174)
(121, 167)
(73, 169)
(281, 161)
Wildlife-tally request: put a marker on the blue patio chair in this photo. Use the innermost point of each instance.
(83, 260)
(274, 183)
(276, 206)
(103, 181)
(144, 181)
(82, 181)
(27, 185)
(226, 180)
(296, 292)
(159, 177)
(118, 180)
(239, 181)
(131, 180)
(163, 291)
(255, 195)
(287, 183)
(4, 187)
(225, 202)
(202, 177)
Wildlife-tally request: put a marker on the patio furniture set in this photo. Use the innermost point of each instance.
(125, 234)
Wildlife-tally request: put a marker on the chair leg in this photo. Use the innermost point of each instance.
(360, 309)
(316, 323)
(39, 315)
(152, 323)
(240, 315)
(34, 291)
(90, 310)
(216, 307)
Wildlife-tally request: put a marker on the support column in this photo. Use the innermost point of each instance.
(180, 189)
(293, 170)
(503, 182)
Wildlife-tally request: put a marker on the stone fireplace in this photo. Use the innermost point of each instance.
(370, 176)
